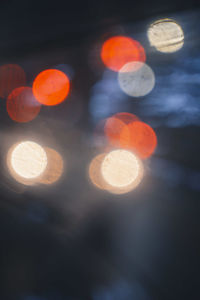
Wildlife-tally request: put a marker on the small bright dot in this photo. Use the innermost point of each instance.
(28, 160)
(120, 168)
(166, 35)
(136, 79)
(51, 87)
(119, 50)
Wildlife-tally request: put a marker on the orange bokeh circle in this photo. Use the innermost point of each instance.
(119, 50)
(11, 77)
(51, 87)
(21, 105)
(139, 137)
(114, 125)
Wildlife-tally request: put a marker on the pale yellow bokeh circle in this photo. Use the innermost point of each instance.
(120, 168)
(28, 160)
(166, 35)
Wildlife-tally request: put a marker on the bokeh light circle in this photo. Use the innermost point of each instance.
(114, 125)
(119, 50)
(166, 35)
(136, 79)
(126, 117)
(54, 167)
(94, 171)
(11, 77)
(51, 87)
(21, 105)
(28, 160)
(140, 138)
(112, 129)
(120, 168)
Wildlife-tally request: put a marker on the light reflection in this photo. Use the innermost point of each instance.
(21, 105)
(119, 50)
(166, 35)
(26, 162)
(136, 79)
(51, 87)
(11, 77)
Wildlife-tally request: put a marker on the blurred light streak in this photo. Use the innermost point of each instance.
(122, 290)
(139, 137)
(119, 50)
(106, 97)
(166, 35)
(21, 105)
(51, 87)
(136, 79)
(121, 168)
(26, 162)
(54, 167)
(37, 212)
(114, 125)
(12, 76)
(172, 108)
(33, 298)
(171, 172)
(193, 180)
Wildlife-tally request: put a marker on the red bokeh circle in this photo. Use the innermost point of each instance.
(114, 125)
(139, 137)
(21, 105)
(119, 50)
(51, 87)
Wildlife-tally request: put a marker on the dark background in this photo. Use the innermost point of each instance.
(70, 240)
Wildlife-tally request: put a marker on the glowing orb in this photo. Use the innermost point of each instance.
(22, 105)
(139, 137)
(114, 125)
(119, 50)
(28, 160)
(54, 167)
(136, 81)
(94, 171)
(120, 168)
(112, 129)
(166, 35)
(51, 87)
(11, 77)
